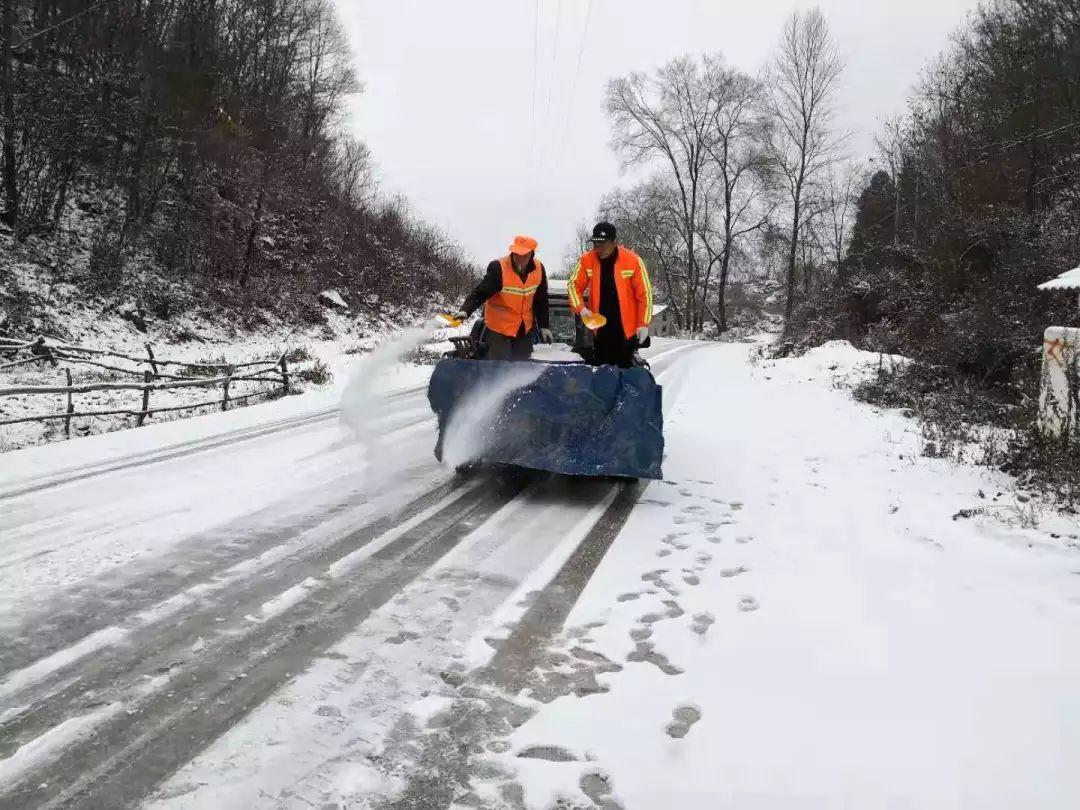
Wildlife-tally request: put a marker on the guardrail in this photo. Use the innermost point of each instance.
(19, 352)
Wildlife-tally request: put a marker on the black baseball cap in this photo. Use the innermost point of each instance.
(603, 232)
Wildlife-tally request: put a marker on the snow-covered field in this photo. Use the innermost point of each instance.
(258, 609)
(349, 339)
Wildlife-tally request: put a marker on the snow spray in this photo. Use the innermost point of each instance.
(469, 427)
(359, 402)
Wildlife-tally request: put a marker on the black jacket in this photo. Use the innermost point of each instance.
(492, 283)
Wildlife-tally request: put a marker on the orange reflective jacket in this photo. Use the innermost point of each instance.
(511, 307)
(631, 283)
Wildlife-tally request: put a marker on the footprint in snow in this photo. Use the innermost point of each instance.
(664, 552)
(550, 753)
(693, 509)
(402, 637)
(674, 611)
(640, 633)
(628, 597)
(692, 579)
(597, 786)
(733, 572)
(746, 538)
(702, 622)
(748, 604)
(683, 719)
(645, 653)
(715, 526)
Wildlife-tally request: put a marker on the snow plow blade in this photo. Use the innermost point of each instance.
(572, 419)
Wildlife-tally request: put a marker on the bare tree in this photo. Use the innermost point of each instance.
(352, 172)
(670, 116)
(803, 81)
(649, 219)
(839, 210)
(572, 252)
(890, 145)
(737, 199)
(11, 194)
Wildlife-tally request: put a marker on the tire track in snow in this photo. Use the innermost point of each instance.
(517, 656)
(183, 449)
(367, 685)
(515, 659)
(99, 603)
(208, 693)
(152, 752)
(170, 627)
(116, 499)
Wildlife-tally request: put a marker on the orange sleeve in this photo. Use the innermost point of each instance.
(643, 293)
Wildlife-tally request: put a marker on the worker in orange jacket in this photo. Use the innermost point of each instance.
(514, 293)
(618, 288)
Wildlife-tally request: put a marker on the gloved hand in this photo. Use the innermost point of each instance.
(460, 315)
(585, 313)
(546, 336)
(642, 333)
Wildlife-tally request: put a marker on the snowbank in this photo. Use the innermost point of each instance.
(836, 363)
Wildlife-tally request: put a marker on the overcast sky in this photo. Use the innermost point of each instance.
(449, 93)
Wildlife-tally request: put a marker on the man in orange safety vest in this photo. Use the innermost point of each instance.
(514, 293)
(619, 288)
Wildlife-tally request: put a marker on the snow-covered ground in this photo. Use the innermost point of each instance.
(255, 609)
(351, 339)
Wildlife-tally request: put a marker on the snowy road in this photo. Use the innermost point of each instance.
(151, 600)
(254, 612)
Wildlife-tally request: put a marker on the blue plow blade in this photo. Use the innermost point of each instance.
(574, 419)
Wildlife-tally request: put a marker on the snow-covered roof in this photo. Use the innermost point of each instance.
(1069, 280)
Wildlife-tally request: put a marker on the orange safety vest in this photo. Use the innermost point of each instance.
(632, 285)
(512, 306)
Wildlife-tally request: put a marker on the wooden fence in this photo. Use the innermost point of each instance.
(151, 373)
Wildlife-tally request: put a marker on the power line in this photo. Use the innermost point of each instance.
(535, 59)
(573, 83)
(554, 55)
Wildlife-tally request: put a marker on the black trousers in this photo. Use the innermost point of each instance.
(501, 347)
(613, 350)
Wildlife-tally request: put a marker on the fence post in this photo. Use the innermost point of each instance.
(228, 380)
(145, 399)
(150, 353)
(70, 406)
(284, 374)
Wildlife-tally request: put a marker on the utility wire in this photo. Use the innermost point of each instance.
(554, 56)
(535, 59)
(573, 84)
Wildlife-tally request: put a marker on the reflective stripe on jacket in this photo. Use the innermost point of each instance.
(512, 306)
